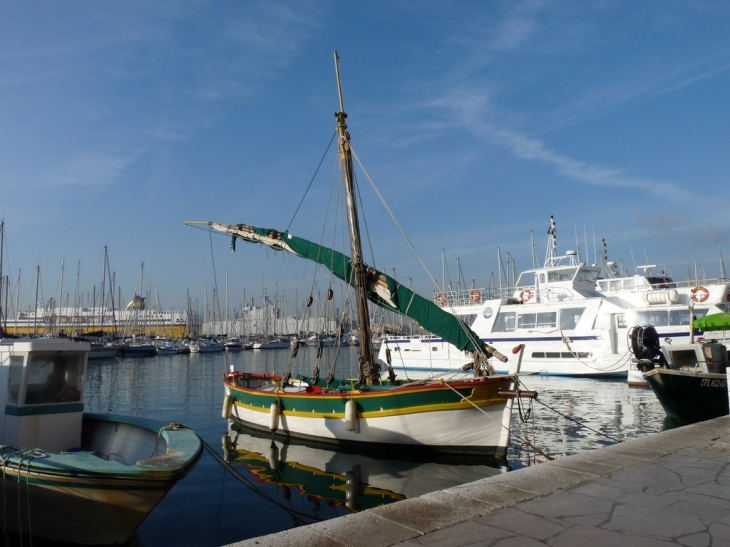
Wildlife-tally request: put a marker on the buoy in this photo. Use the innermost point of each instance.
(700, 294)
(351, 415)
(227, 406)
(274, 417)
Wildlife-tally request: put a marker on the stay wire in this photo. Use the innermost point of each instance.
(312, 180)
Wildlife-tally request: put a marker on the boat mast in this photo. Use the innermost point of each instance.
(2, 239)
(365, 348)
(103, 282)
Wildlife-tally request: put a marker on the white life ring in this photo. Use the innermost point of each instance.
(700, 294)
(475, 295)
(525, 295)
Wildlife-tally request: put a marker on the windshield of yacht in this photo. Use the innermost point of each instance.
(588, 274)
(562, 274)
(526, 279)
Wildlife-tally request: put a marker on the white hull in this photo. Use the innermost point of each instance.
(102, 352)
(205, 348)
(468, 427)
(272, 344)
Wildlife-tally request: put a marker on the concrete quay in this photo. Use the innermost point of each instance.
(668, 488)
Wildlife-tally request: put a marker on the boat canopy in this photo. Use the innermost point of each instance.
(714, 321)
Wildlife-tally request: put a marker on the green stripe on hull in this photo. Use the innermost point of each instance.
(394, 400)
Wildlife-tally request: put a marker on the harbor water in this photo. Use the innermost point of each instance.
(245, 486)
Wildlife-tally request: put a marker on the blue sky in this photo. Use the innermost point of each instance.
(476, 121)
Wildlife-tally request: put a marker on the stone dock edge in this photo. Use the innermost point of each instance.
(414, 518)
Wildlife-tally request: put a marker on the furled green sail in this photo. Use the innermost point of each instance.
(381, 289)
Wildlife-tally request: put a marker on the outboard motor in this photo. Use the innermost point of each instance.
(644, 344)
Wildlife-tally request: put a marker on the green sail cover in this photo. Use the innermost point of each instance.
(715, 321)
(382, 289)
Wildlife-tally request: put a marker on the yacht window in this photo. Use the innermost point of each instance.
(621, 321)
(527, 279)
(561, 355)
(588, 274)
(567, 275)
(547, 319)
(526, 321)
(658, 318)
(569, 317)
(553, 276)
(541, 277)
(614, 285)
(679, 317)
(505, 322)
(700, 313)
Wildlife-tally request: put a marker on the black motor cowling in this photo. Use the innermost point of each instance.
(644, 344)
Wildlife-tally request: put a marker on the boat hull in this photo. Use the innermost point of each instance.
(138, 351)
(547, 355)
(104, 352)
(82, 497)
(462, 417)
(689, 396)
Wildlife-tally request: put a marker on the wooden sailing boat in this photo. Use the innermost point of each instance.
(466, 416)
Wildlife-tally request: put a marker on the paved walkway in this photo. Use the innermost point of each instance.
(669, 488)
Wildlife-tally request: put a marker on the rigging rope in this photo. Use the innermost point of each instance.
(312, 180)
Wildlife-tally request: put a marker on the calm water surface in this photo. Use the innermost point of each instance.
(276, 487)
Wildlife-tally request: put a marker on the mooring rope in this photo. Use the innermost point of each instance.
(511, 431)
(230, 469)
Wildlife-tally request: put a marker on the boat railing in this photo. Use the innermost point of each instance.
(554, 294)
(470, 297)
(639, 284)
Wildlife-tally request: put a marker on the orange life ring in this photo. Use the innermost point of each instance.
(525, 295)
(700, 294)
(441, 298)
(475, 295)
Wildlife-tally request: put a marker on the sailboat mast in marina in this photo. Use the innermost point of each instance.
(365, 347)
(464, 416)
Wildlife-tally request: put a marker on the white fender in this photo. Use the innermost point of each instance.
(273, 456)
(351, 415)
(227, 406)
(274, 417)
(352, 489)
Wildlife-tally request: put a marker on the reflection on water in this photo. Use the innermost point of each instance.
(262, 492)
(309, 479)
(572, 415)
